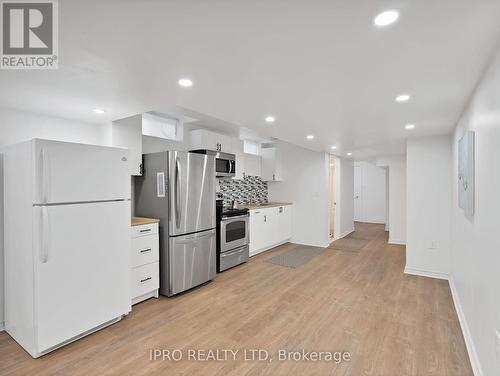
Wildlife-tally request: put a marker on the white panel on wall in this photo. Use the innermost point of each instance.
(428, 206)
(306, 187)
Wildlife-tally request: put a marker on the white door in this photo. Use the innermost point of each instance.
(358, 189)
(69, 172)
(82, 268)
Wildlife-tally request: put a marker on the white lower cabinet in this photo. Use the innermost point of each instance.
(145, 258)
(269, 227)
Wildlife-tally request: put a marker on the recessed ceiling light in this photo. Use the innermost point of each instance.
(333, 147)
(386, 18)
(185, 82)
(410, 126)
(310, 137)
(99, 111)
(403, 98)
(349, 154)
(270, 119)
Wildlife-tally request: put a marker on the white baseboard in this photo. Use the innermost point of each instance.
(386, 227)
(255, 253)
(311, 244)
(425, 273)
(397, 242)
(372, 222)
(469, 343)
(344, 234)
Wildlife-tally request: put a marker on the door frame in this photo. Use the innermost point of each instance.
(336, 198)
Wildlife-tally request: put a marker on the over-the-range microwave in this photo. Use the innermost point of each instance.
(225, 163)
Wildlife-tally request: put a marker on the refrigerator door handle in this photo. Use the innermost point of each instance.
(44, 253)
(196, 236)
(177, 193)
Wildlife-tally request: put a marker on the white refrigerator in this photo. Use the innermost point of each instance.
(67, 241)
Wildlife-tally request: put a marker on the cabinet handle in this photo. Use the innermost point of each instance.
(145, 230)
(274, 177)
(145, 250)
(265, 218)
(145, 279)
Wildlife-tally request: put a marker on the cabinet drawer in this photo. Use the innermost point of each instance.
(145, 250)
(144, 230)
(145, 278)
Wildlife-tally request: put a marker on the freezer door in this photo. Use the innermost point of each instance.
(82, 268)
(191, 261)
(192, 192)
(68, 172)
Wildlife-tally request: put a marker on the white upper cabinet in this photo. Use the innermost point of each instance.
(252, 165)
(272, 167)
(237, 146)
(128, 132)
(204, 139)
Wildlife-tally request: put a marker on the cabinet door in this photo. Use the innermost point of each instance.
(252, 165)
(285, 222)
(257, 231)
(271, 164)
(127, 133)
(225, 143)
(240, 166)
(268, 163)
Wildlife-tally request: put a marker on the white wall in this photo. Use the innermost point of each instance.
(17, 126)
(344, 177)
(306, 186)
(475, 246)
(397, 197)
(428, 162)
(373, 193)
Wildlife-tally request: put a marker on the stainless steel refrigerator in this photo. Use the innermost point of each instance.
(179, 189)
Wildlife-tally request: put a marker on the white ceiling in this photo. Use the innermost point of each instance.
(320, 67)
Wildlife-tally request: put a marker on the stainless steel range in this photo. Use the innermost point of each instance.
(232, 236)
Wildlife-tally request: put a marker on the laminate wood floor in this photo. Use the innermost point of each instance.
(359, 302)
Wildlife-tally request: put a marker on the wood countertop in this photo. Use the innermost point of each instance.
(263, 206)
(138, 221)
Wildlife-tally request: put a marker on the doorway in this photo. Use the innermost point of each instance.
(331, 196)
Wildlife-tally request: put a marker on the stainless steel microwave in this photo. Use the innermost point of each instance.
(225, 163)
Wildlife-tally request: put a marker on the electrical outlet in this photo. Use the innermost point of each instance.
(498, 344)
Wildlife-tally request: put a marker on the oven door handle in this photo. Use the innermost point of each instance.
(225, 254)
(227, 219)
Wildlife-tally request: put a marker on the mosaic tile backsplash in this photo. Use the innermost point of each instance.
(249, 190)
